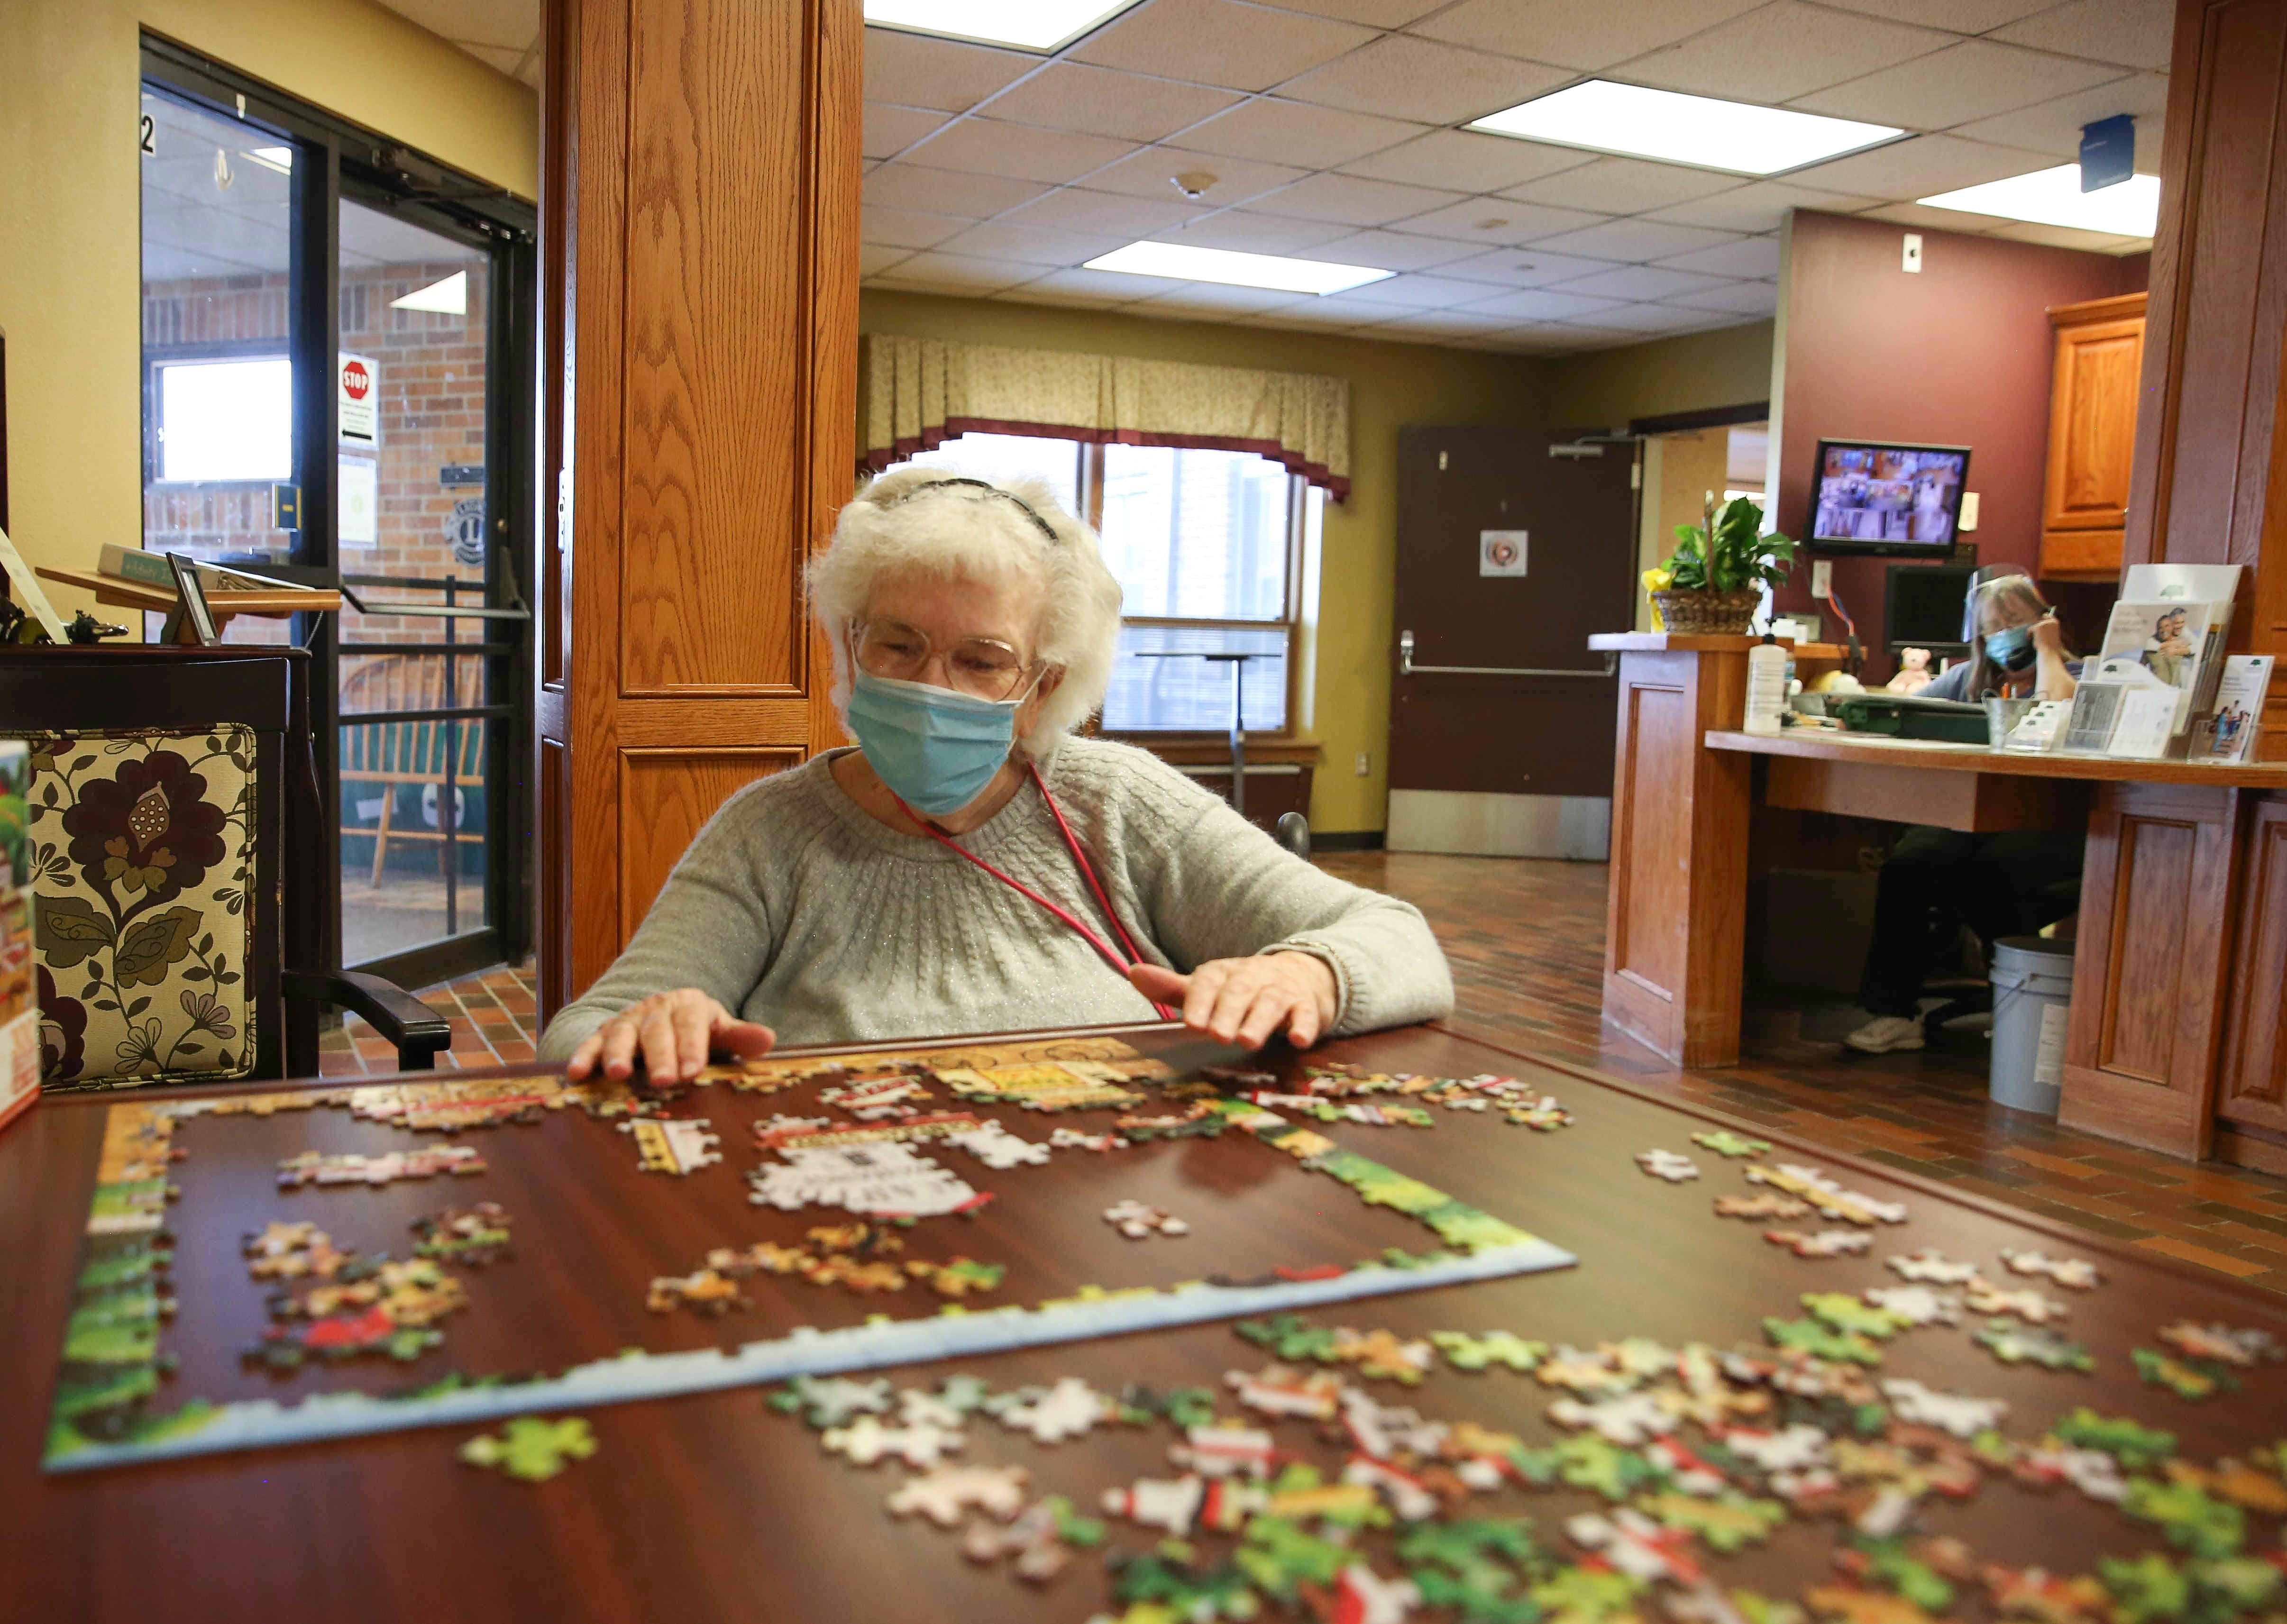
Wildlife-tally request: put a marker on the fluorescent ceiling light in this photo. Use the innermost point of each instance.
(1215, 265)
(2054, 197)
(1029, 25)
(449, 298)
(1601, 115)
(279, 158)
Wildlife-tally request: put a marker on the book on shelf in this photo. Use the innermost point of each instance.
(145, 567)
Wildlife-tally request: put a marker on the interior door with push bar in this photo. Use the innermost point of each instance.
(1513, 545)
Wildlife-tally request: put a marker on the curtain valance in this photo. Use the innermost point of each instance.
(920, 392)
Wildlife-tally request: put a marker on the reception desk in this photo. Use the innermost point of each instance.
(2176, 1043)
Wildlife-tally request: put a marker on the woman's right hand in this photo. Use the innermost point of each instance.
(676, 1032)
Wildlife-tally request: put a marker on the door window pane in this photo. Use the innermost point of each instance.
(1003, 457)
(217, 314)
(412, 530)
(1196, 534)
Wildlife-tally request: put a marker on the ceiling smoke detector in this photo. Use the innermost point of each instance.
(1193, 183)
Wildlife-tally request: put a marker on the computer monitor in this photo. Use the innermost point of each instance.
(1921, 608)
(1878, 496)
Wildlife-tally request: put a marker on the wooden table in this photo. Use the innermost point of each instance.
(714, 1507)
(2176, 1043)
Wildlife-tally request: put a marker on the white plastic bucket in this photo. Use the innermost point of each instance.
(2032, 998)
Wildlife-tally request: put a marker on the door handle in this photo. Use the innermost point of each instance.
(1406, 667)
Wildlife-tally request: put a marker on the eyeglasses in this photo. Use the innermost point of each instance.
(983, 667)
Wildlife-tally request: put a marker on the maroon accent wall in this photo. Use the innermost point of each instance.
(1958, 354)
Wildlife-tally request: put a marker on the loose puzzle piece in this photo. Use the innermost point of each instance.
(2015, 1344)
(1363, 1596)
(1984, 1297)
(876, 1099)
(310, 1167)
(1464, 1351)
(1138, 1222)
(1068, 1409)
(999, 1149)
(1382, 1356)
(1726, 1522)
(1632, 1544)
(2189, 1519)
(957, 1277)
(476, 1236)
(1964, 1417)
(2221, 1342)
(2134, 1446)
(1067, 1139)
(711, 1291)
(1280, 1557)
(832, 1401)
(942, 1495)
(1171, 1503)
(1846, 1312)
(2076, 1273)
(1723, 1142)
(882, 1178)
(865, 1440)
(1853, 1605)
(1290, 1336)
(680, 1147)
(1279, 1389)
(1631, 1419)
(1823, 1193)
(285, 1251)
(1931, 1268)
(2049, 1598)
(1764, 1206)
(1825, 1243)
(1041, 1539)
(1544, 1114)
(1668, 1165)
(1888, 1562)
(2236, 1481)
(2091, 1471)
(1588, 1462)
(1821, 1341)
(531, 1449)
(2180, 1377)
(1917, 1305)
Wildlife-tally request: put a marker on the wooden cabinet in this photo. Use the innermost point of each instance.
(2092, 396)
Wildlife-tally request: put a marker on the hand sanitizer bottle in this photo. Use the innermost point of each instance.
(1767, 664)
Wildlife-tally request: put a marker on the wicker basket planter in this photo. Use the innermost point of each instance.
(1709, 613)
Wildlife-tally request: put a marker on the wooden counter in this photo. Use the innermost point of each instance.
(2177, 1040)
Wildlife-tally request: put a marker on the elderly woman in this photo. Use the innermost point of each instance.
(970, 866)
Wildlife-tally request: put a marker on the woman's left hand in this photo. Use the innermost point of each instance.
(1247, 1002)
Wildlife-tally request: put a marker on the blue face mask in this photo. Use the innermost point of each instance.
(935, 748)
(2011, 648)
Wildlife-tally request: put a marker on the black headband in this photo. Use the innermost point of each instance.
(983, 485)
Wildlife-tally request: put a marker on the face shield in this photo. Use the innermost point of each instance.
(2011, 647)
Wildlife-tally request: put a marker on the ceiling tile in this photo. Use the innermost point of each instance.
(1975, 79)
(953, 273)
(1295, 132)
(1391, 250)
(1149, 173)
(1761, 206)
(1077, 209)
(1656, 318)
(1461, 160)
(1099, 101)
(914, 70)
(1634, 281)
(1334, 313)
(1220, 41)
(1418, 292)
(1521, 267)
(2065, 236)
(1373, 13)
(1403, 77)
(1748, 257)
(1112, 287)
(2053, 127)
(1209, 296)
(1632, 240)
(1491, 220)
(1781, 52)
(986, 146)
(1622, 185)
(1354, 201)
(874, 256)
(1739, 298)
(906, 185)
(1936, 219)
(1034, 293)
(1540, 305)
(1957, 16)
(1916, 167)
(890, 130)
(906, 228)
(1244, 232)
(2133, 33)
(1582, 34)
(1031, 244)
(1446, 324)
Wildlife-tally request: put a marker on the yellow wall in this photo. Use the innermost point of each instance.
(70, 204)
(1606, 389)
(1391, 386)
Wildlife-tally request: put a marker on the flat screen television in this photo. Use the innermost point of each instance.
(1881, 497)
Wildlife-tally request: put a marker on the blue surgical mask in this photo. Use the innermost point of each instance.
(936, 749)
(2011, 648)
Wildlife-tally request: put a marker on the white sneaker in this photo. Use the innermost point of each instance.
(1886, 1033)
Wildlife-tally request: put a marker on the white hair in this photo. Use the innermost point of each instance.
(898, 527)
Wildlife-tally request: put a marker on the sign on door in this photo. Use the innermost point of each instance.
(357, 398)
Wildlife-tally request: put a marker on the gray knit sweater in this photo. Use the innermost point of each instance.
(796, 909)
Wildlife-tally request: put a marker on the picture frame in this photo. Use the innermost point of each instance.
(192, 610)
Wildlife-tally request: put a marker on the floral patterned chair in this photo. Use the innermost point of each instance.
(183, 929)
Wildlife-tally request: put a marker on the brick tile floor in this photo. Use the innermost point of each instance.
(1526, 942)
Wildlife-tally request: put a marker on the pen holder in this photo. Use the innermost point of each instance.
(2002, 717)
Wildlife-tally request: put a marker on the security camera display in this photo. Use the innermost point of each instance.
(1888, 495)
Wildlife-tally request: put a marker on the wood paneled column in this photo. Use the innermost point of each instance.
(697, 409)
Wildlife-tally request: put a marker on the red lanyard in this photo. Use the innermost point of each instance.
(1088, 871)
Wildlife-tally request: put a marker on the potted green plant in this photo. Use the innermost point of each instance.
(1712, 582)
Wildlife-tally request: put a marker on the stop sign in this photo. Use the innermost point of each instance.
(356, 381)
